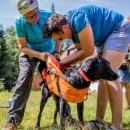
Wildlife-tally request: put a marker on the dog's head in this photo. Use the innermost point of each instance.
(98, 68)
(95, 69)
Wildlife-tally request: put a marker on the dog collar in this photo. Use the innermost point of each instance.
(83, 75)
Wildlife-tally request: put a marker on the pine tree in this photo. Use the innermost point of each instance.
(13, 51)
(53, 7)
(3, 54)
(8, 56)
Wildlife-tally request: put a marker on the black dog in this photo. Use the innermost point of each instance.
(47, 94)
(95, 69)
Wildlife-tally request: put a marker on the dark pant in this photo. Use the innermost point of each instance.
(27, 66)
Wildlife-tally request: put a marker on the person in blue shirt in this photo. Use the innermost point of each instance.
(89, 27)
(34, 48)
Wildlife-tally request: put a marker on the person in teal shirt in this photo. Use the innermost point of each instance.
(33, 33)
(34, 48)
(108, 31)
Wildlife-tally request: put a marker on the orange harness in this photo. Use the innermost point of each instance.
(53, 75)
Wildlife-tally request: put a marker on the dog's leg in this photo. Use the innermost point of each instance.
(80, 109)
(62, 113)
(45, 95)
(56, 98)
(62, 106)
(67, 110)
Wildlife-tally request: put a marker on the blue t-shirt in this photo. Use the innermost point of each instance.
(33, 33)
(102, 20)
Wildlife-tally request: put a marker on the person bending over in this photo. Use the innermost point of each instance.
(92, 26)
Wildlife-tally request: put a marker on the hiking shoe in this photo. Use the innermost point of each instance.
(94, 125)
(109, 127)
(10, 126)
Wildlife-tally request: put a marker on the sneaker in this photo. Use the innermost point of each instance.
(10, 126)
(94, 125)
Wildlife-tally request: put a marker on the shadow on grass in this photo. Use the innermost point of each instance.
(126, 126)
(48, 127)
(56, 127)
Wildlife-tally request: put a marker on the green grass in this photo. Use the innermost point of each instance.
(32, 108)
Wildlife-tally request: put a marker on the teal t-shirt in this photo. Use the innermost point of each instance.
(102, 20)
(33, 33)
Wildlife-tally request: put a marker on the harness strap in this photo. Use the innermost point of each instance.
(57, 75)
(83, 75)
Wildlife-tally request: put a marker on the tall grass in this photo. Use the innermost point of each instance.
(32, 109)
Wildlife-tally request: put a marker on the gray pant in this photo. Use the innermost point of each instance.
(21, 94)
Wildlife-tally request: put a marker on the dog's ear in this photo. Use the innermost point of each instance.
(102, 60)
(96, 60)
(99, 57)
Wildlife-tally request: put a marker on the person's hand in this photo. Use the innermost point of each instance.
(54, 60)
(64, 68)
(43, 56)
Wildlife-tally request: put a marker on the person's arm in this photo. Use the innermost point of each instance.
(85, 49)
(58, 45)
(32, 53)
(57, 50)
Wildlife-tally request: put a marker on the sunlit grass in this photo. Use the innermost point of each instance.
(32, 109)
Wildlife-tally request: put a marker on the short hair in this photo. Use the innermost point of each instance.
(54, 25)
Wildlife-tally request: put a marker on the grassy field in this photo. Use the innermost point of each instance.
(31, 112)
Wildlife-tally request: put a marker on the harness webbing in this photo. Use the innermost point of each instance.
(83, 75)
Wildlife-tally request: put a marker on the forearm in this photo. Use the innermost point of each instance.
(58, 46)
(33, 53)
(22, 43)
(74, 58)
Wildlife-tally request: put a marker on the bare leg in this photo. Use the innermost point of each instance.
(127, 93)
(102, 100)
(114, 88)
